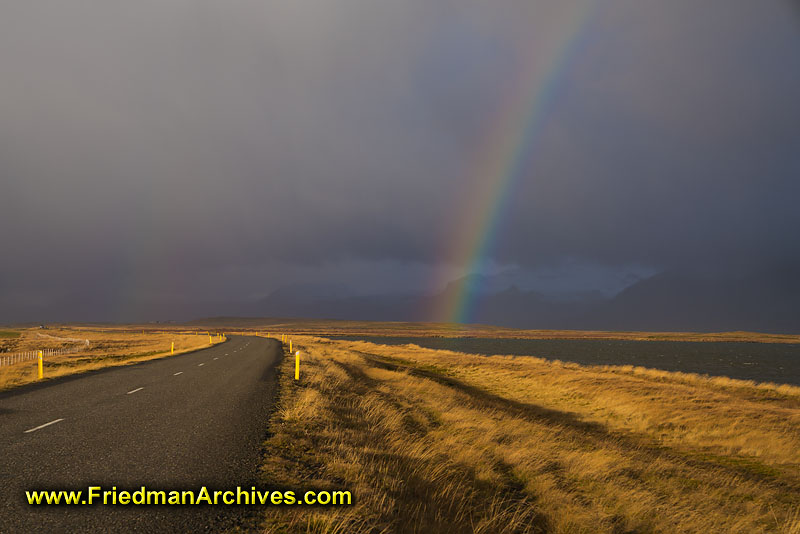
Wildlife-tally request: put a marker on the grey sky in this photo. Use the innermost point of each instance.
(177, 149)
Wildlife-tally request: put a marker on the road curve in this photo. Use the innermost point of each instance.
(180, 422)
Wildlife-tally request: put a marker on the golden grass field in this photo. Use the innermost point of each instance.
(437, 441)
(107, 347)
(315, 327)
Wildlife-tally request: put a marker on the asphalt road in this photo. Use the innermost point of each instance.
(176, 423)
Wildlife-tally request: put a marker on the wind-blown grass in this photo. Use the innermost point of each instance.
(436, 441)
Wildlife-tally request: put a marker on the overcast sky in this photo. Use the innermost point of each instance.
(197, 149)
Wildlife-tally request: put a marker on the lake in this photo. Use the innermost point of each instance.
(762, 362)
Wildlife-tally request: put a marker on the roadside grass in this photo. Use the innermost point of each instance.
(437, 441)
(10, 340)
(107, 347)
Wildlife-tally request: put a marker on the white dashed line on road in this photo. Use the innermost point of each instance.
(42, 426)
(134, 391)
(178, 373)
(216, 358)
(200, 364)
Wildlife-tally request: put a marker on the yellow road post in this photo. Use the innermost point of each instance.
(290, 345)
(297, 365)
(41, 365)
(172, 349)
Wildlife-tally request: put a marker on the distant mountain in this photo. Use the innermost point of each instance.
(767, 301)
(480, 284)
(529, 309)
(377, 308)
(507, 307)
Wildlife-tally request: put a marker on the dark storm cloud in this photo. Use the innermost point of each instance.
(673, 142)
(221, 149)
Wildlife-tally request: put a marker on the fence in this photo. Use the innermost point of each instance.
(17, 357)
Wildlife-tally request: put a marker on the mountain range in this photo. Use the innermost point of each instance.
(767, 300)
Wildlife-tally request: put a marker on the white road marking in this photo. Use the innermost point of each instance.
(134, 391)
(216, 358)
(200, 364)
(178, 373)
(42, 426)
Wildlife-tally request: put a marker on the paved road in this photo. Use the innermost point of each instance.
(180, 422)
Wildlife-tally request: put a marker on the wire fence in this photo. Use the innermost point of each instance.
(18, 357)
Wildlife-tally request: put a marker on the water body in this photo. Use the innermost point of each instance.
(762, 362)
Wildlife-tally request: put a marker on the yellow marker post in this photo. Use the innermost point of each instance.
(41, 365)
(172, 350)
(297, 365)
(290, 345)
(209, 340)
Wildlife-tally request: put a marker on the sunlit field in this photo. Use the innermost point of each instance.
(108, 346)
(437, 441)
(411, 329)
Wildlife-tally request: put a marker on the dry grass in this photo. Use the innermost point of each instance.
(108, 347)
(315, 327)
(435, 441)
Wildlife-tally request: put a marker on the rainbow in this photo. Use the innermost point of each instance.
(506, 150)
